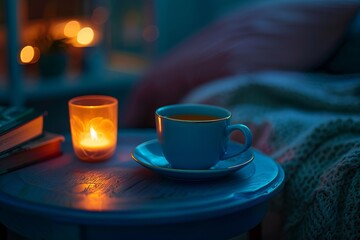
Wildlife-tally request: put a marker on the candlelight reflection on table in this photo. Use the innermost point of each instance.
(93, 122)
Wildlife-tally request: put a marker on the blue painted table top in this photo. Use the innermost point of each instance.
(123, 193)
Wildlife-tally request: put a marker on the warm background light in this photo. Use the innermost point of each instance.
(29, 54)
(71, 29)
(85, 36)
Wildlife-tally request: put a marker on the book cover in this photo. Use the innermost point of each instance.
(37, 150)
(18, 125)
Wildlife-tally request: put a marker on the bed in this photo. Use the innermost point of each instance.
(291, 72)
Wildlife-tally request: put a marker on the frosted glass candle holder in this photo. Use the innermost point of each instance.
(93, 123)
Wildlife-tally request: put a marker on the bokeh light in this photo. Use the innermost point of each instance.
(71, 28)
(85, 36)
(100, 15)
(151, 33)
(29, 54)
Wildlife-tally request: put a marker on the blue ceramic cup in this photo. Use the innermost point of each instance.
(195, 136)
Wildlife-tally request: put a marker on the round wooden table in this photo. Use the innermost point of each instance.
(64, 198)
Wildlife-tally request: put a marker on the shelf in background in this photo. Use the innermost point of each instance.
(82, 83)
(37, 89)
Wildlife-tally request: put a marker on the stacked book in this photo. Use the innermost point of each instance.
(23, 140)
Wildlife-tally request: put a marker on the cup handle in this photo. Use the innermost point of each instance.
(247, 136)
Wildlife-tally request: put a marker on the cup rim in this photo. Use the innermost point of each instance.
(193, 105)
(112, 101)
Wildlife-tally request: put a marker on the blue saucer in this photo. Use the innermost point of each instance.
(149, 155)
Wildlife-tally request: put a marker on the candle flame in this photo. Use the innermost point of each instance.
(93, 134)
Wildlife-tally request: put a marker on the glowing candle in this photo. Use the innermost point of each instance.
(93, 122)
(93, 142)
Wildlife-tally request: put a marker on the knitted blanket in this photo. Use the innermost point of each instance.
(310, 124)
